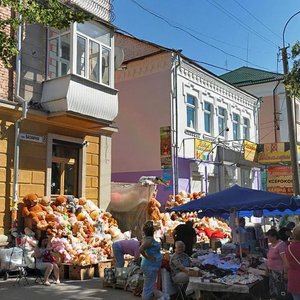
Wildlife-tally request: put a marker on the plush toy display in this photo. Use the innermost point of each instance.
(34, 211)
(178, 200)
(71, 204)
(59, 205)
(153, 209)
(45, 203)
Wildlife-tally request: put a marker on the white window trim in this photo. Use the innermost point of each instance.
(81, 162)
(248, 126)
(225, 121)
(211, 117)
(73, 55)
(195, 107)
(238, 125)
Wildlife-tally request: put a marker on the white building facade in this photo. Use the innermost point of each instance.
(212, 110)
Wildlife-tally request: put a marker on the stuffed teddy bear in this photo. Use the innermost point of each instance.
(59, 205)
(88, 205)
(178, 200)
(153, 209)
(71, 204)
(45, 203)
(58, 244)
(33, 210)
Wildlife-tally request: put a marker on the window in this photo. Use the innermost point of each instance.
(92, 51)
(196, 182)
(246, 177)
(208, 117)
(191, 112)
(64, 168)
(236, 126)
(246, 129)
(230, 176)
(221, 121)
(58, 53)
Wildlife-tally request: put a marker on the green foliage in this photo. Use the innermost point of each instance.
(50, 13)
(292, 80)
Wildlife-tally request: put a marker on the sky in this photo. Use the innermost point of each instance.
(222, 35)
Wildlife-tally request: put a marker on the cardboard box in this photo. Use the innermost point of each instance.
(64, 271)
(100, 266)
(194, 272)
(81, 272)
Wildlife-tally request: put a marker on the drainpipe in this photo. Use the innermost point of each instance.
(174, 129)
(275, 113)
(18, 122)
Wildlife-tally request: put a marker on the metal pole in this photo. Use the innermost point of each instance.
(291, 117)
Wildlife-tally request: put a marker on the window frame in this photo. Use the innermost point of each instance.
(81, 161)
(74, 35)
(222, 120)
(59, 59)
(246, 128)
(192, 107)
(236, 123)
(209, 114)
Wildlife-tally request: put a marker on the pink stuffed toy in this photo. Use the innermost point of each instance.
(58, 245)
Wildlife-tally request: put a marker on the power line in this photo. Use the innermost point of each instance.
(259, 21)
(195, 37)
(240, 22)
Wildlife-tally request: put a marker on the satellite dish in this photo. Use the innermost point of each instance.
(119, 57)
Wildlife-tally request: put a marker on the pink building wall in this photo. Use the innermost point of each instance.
(144, 106)
(267, 131)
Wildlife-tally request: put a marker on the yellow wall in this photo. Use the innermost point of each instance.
(32, 166)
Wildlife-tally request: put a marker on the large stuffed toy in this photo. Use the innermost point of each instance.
(153, 209)
(33, 212)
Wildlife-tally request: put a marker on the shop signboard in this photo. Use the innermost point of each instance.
(165, 147)
(202, 149)
(249, 150)
(167, 176)
(280, 180)
(275, 153)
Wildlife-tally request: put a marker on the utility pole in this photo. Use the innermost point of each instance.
(291, 117)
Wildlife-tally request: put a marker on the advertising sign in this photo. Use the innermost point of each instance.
(167, 176)
(280, 180)
(165, 147)
(202, 149)
(275, 152)
(249, 150)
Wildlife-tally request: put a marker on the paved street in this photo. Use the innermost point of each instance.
(67, 290)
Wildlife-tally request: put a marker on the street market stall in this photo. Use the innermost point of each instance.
(231, 201)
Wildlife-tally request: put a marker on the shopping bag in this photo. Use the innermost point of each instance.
(283, 293)
(109, 275)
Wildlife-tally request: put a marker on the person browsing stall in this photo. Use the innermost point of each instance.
(187, 234)
(276, 262)
(151, 260)
(122, 247)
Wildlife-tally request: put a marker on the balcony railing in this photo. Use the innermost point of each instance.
(102, 9)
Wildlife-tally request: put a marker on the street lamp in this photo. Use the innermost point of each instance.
(291, 116)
